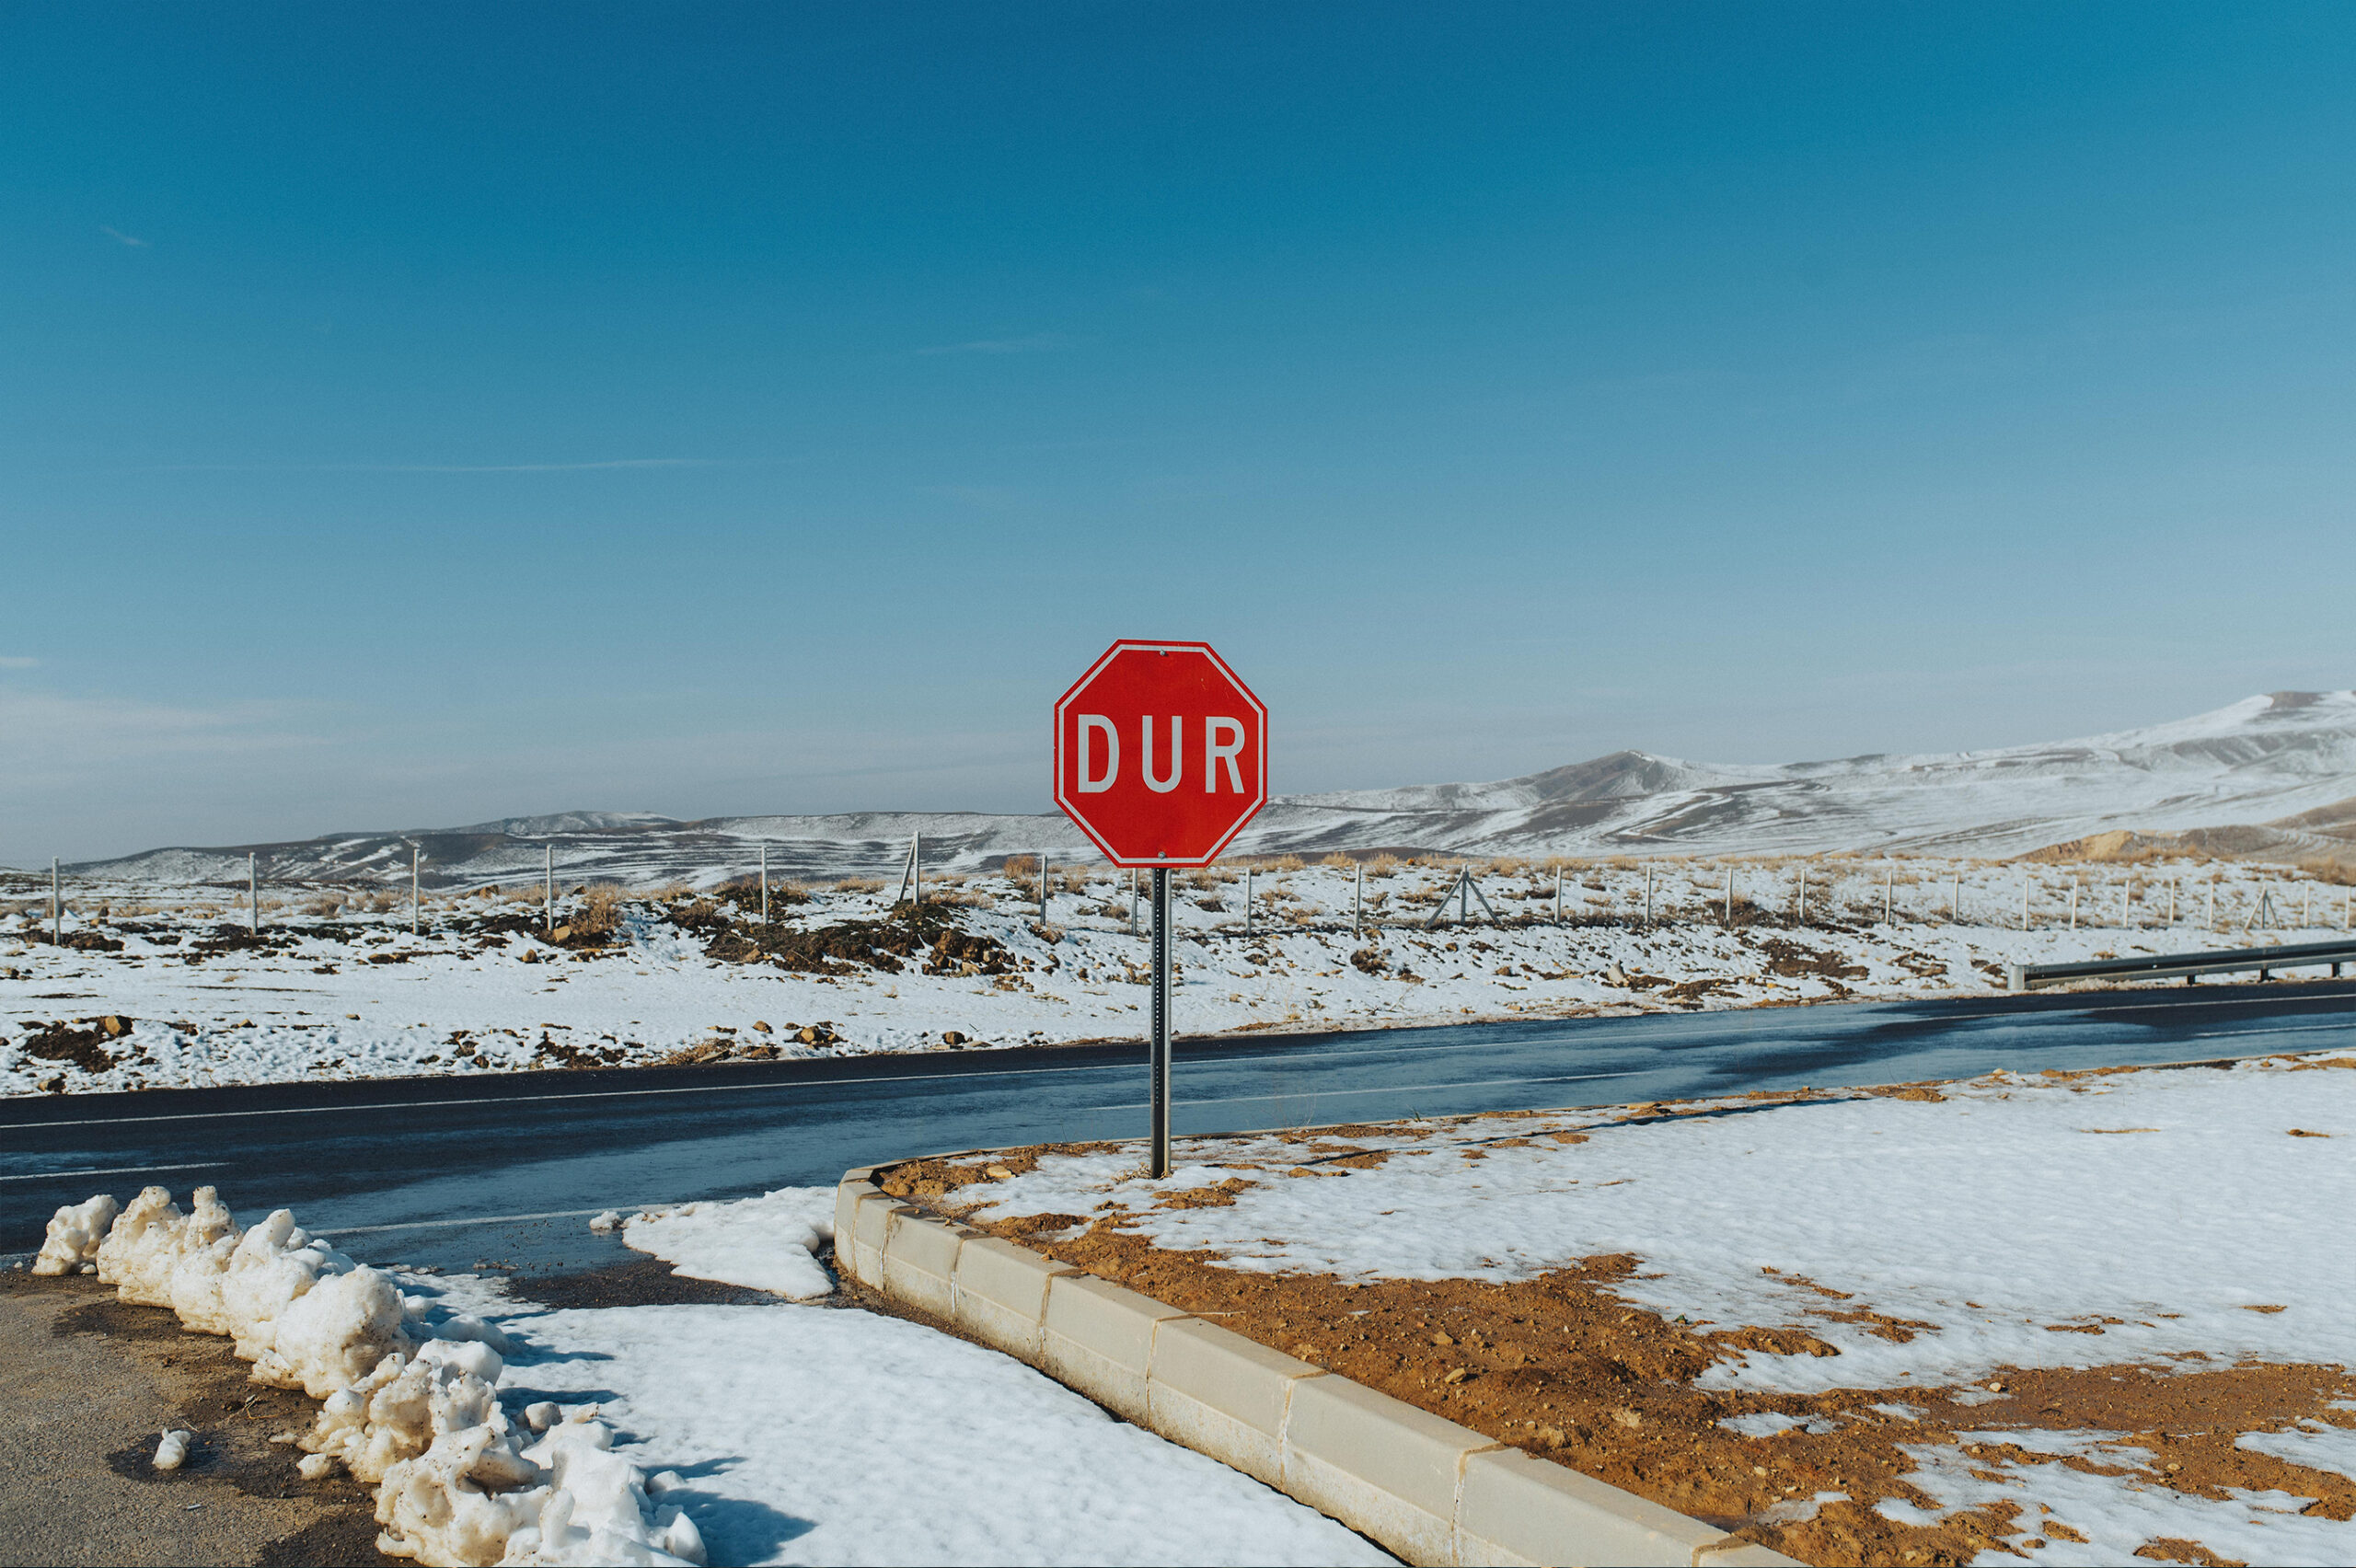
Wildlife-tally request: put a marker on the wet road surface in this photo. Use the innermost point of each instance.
(458, 1173)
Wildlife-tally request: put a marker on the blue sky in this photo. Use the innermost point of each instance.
(423, 414)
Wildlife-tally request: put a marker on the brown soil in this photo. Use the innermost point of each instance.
(1562, 1367)
(82, 1044)
(1792, 961)
(928, 936)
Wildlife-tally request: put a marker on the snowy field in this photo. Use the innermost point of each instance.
(2065, 1317)
(334, 984)
(497, 1431)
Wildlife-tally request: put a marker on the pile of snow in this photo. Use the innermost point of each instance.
(764, 1243)
(74, 1232)
(411, 1391)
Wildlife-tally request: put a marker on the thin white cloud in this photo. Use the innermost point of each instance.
(18, 662)
(1035, 343)
(119, 237)
(446, 467)
(49, 739)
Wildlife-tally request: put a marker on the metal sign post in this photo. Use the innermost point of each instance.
(1158, 1045)
(1160, 757)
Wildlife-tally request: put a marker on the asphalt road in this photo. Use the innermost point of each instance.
(500, 1170)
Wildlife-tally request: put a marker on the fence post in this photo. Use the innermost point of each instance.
(253, 893)
(1803, 907)
(2212, 904)
(1358, 899)
(916, 871)
(764, 885)
(1133, 901)
(412, 890)
(1247, 901)
(1729, 897)
(1954, 895)
(548, 888)
(1042, 887)
(1648, 893)
(2024, 901)
(2074, 904)
(56, 908)
(1558, 896)
(1889, 893)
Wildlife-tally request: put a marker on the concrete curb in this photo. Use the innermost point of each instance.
(1431, 1491)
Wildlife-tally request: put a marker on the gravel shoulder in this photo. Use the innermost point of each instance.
(88, 1384)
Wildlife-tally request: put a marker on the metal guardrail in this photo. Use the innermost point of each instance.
(2189, 965)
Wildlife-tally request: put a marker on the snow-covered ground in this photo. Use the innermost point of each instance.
(1939, 1247)
(337, 987)
(2277, 769)
(498, 1431)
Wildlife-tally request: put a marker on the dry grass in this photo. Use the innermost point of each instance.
(1337, 862)
(859, 884)
(1020, 866)
(1383, 866)
(1288, 863)
(601, 911)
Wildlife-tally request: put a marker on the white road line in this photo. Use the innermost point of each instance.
(477, 1219)
(113, 1170)
(1406, 1088)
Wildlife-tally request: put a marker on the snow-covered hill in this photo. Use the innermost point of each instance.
(2272, 775)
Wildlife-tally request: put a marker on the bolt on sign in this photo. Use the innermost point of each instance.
(1161, 757)
(1162, 754)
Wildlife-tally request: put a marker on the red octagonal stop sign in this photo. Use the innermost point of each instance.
(1161, 755)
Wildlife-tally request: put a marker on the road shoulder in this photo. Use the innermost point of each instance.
(89, 1384)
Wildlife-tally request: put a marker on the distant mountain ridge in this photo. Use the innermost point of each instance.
(2272, 776)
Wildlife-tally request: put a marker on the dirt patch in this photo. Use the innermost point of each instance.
(211, 1393)
(82, 1044)
(1788, 960)
(1563, 1367)
(929, 937)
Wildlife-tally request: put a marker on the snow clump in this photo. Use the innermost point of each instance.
(410, 1407)
(74, 1232)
